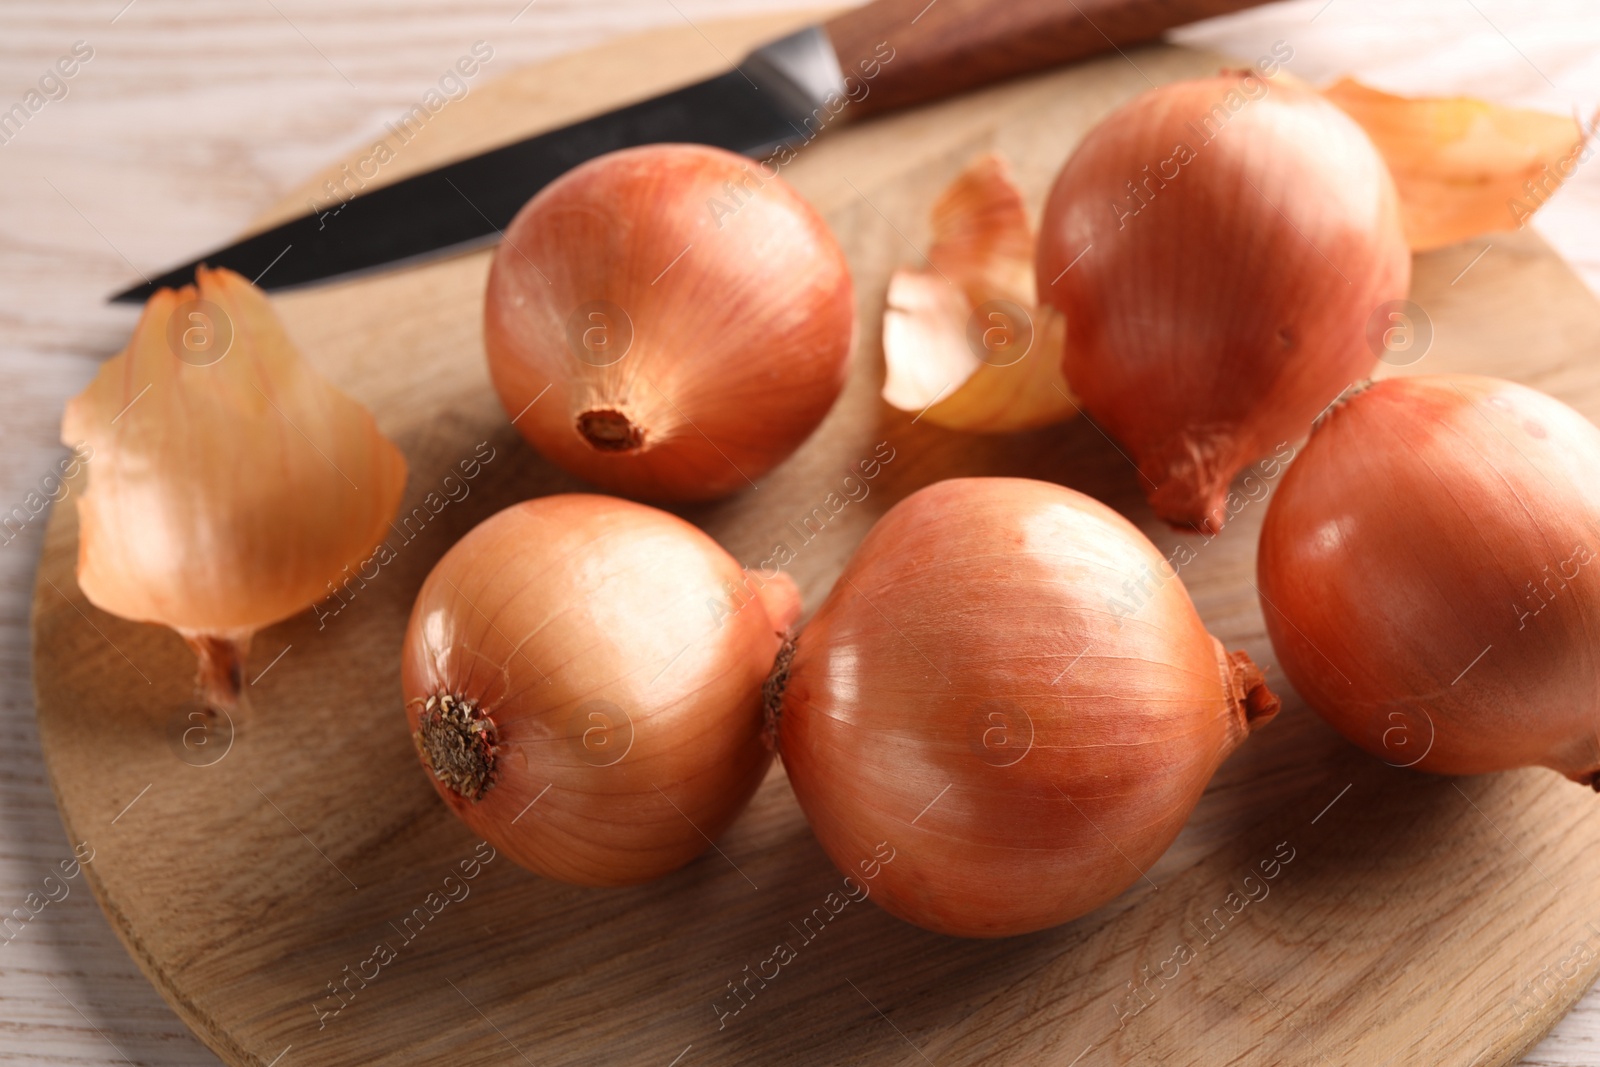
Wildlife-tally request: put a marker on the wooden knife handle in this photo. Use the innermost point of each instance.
(912, 51)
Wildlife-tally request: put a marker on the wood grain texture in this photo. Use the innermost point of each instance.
(913, 51)
(1410, 925)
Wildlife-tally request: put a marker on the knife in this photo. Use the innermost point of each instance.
(885, 55)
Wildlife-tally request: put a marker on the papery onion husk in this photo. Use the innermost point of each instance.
(1463, 167)
(1235, 235)
(583, 682)
(965, 343)
(1430, 576)
(230, 482)
(668, 322)
(1009, 689)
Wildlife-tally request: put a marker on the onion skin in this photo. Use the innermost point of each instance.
(979, 274)
(1463, 166)
(1220, 319)
(1427, 567)
(228, 492)
(195, 514)
(737, 351)
(1003, 584)
(592, 602)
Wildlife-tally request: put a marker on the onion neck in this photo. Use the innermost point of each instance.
(1579, 764)
(219, 676)
(1190, 479)
(1253, 705)
(456, 739)
(608, 429)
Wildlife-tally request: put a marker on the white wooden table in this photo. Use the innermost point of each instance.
(192, 116)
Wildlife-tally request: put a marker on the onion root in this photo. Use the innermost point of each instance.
(456, 739)
(772, 689)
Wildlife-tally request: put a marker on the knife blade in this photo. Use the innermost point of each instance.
(886, 54)
(753, 110)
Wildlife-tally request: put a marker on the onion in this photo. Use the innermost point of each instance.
(690, 316)
(583, 683)
(1428, 575)
(231, 484)
(1010, 688)
(1236, 235)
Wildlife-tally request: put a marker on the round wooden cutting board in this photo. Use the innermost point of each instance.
(254, 868)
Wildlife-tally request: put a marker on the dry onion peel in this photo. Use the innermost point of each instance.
(964, 341)
(583, 678)
(1009, 686)
(1429, 572)
(223, 496)
(1462, 166)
